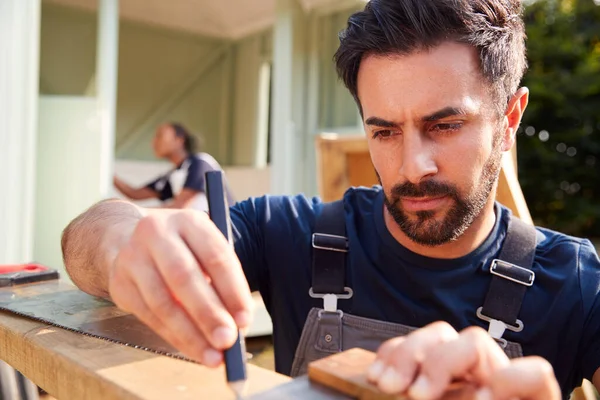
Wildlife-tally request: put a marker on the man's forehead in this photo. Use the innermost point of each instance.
(423, 82)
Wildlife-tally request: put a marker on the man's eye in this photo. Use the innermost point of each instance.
(383, 134)
(447, 127)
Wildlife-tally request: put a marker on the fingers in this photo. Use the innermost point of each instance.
(146, 295)
(183, 276)
(219, 261)
(186, 246)
(399, 359)
(473, 354)
(427, 362)
(529, 378)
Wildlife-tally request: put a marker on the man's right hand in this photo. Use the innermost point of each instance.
(179, 276)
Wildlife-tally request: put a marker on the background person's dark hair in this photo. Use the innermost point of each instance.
(190, 142)
(385, 27)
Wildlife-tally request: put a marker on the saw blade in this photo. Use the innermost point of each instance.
(64, 306)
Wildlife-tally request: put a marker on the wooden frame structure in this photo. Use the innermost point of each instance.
(344, 161)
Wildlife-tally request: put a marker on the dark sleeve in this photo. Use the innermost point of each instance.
(248, 238)
(267, 232)
(161, 186)
(589, 278)
(195, 177)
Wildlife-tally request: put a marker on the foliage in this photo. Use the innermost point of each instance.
(559, 139)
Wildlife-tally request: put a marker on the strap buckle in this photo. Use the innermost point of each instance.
(497, 327)
(512, 272)
(330, 299)
(325, 241)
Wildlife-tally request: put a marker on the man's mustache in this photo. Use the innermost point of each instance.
(423, 189)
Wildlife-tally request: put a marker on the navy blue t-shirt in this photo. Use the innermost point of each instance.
(391, 283)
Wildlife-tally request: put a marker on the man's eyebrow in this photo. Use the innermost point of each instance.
(383, 123)
(444, 113)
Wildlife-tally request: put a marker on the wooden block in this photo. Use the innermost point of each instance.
(346, 372)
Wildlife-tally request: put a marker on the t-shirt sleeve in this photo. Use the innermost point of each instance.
(248, 238)
(589, 277)
(195, 177)
(161, 186)
(267, 231)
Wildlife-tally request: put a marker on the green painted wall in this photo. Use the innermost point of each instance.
(157, 68)
(207, 84)
(68, 50)
(337, 107)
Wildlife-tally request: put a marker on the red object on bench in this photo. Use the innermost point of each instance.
(19, 274)
(30, 267)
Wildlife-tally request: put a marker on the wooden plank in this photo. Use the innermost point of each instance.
(69, 365)
(360, 169)
(335, 171)
(509, 191)
(587, 391)
(346, 372)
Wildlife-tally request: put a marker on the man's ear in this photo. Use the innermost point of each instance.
(512, 117)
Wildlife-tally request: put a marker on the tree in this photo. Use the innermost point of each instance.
(559, 138)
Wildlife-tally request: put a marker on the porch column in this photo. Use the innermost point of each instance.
(19, 75)
(107, 55)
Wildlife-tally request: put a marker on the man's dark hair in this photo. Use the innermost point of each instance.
(189, 140)
(387, 27)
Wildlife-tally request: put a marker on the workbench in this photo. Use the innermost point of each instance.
(70, 365)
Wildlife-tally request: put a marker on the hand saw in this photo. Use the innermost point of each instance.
(62, 305)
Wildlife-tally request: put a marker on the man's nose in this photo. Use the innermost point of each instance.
(417, 158)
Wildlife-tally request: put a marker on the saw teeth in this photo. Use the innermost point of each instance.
(162, 353)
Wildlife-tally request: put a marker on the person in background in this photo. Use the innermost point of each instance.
(183, 186)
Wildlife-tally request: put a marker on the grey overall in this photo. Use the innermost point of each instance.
(329, 330)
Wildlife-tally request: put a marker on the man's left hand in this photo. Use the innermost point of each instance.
(426, 362)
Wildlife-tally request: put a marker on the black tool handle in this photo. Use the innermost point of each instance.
(21, 278)
(218, 210)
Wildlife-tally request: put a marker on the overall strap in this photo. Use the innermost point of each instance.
(512, 275)
(329, 248)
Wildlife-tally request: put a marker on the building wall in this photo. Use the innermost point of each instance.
(337, 107)
(164, 75)
(211, 85)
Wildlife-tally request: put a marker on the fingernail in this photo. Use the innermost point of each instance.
(484, 394)
(375, 370)
(211, 357)
(390, 382)
(421, 389)
(223, 337)
(243, 319)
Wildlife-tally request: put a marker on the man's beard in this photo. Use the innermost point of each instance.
(426, 229)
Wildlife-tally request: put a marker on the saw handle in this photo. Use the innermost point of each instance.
(20, 274)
